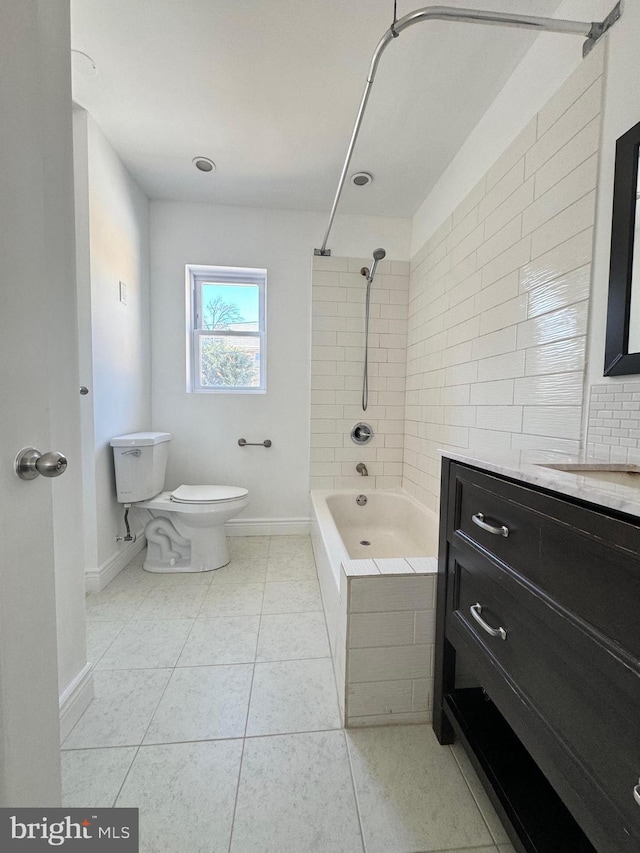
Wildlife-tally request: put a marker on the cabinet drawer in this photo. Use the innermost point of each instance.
(580, 557)
(586, 696)
(495, 520)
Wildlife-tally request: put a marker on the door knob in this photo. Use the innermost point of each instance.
(30, 462)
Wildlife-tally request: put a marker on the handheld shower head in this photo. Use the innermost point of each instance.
(378, 255)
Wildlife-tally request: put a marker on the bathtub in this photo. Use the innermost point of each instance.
(377, 567)
(389, 524)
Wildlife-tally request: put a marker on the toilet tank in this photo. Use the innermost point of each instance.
(140, 460)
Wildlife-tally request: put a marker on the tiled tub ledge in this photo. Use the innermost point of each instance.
(383, 653)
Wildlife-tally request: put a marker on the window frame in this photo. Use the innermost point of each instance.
(196, 275)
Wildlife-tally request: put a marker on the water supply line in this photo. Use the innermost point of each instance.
(592, 31)
(129, 537)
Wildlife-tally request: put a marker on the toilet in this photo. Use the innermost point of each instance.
(184, 528)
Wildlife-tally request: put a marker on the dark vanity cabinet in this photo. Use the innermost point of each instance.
(538, 659)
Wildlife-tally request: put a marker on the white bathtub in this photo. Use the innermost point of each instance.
(380, 628)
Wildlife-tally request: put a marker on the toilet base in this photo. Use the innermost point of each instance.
(154, 568)
(205, 549)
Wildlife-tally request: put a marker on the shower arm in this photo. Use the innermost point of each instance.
(592, 31)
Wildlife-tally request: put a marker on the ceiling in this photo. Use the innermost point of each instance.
(269, 90)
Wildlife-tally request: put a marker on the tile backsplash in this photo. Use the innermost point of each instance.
(499, 298)
(613, 426)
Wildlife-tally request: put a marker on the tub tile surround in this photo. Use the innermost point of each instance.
(258, 745)
(337, 356)
(386, 648)
(498, 298)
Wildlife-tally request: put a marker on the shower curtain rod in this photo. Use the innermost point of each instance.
(592, 31)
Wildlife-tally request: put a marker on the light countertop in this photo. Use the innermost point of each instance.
(527, 466)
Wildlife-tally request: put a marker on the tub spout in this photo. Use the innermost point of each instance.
(361, 468)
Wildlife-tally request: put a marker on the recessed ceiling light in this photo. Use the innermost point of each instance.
(361, 179)
(82, 63)
(204, 164)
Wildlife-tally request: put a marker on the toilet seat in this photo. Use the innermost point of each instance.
(207, 494)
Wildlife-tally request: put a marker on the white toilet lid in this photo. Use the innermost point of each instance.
(207, 494)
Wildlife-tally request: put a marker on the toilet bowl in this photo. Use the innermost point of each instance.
(186, 534)
(184, 528)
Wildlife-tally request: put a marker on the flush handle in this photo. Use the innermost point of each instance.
(636, 793)
(30, 463)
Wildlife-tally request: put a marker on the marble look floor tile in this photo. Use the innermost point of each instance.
(203, 703)
(488, 812)
(147, 645)
(248, 546)
(136, 576)
(131, 577)
(293, 696)
(121, 710)
(114, 606)
(233, 599)
(225, 639)
(490, 849)
(290, 545)
(92, 778)
(291, 568)
(287, 636)
(296, 795)
(173, 602)
(100, 635)
(242, 571)
(507, 848)
(411, 793)
(292, 597)
(185, 793)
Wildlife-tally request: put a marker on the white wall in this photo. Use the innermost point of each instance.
(114, 337)
(206, 427)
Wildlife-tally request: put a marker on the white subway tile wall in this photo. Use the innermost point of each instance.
(613, 427)
(337, 356)
(498, 301)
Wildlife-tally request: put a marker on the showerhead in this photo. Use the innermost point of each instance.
(378, 255)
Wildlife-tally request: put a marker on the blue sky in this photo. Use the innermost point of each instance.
(244, 297)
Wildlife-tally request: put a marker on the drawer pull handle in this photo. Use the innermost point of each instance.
(478, 519)
(476, 610)
(636, 793)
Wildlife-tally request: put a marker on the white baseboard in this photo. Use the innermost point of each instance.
(268, 527)
(75, 700)
(97, 579)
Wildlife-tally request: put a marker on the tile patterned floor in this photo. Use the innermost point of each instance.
(216, 715)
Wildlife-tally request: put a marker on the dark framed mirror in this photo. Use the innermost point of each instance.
(622, 350)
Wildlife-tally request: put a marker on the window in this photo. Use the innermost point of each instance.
(226, 336)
